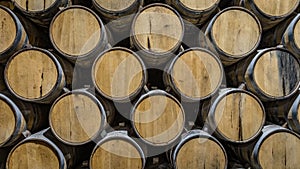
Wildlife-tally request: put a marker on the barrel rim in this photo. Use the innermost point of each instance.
(87, 55)
(117, 12)
(59, 79)
(251, 81)
(292, 118)
(179, 2)
(150, 94)
(209, 32)
(267, 132)
(36, 12)
(95, 100)
(178, 91)
(137, 91)
(149, 52)
(195, 134)
(46, 142)
(291, 33)
(220, 97)
(119, 136)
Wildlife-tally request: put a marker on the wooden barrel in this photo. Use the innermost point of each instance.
(198, 149)
(291, 37)
(117, 151)
(40, 12)
(195, 74)
(34, 74)
(12, 33)
(293, 115)
(271, 12)
(235, 33)
(77, 117)
(273, 74)
(195, 11)
(37, 151)
(119, 74)
(78, 34)
(157, 31)
(235, 115)
(158, 118)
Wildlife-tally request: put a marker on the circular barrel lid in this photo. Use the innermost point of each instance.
(158, 118)
(76, 31)
(34, 5)
(236, 32)
(158, 28)
(8, 30)
(119, 73)
(296, 34)
(196, 73)
(116, 5)
(32, 74)
(199, 5)
(77, 117)
(276, 7)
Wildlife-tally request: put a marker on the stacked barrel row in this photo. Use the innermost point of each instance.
(149, 84)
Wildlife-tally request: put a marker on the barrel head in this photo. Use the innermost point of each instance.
(7, 122)
(199, 5)
(117, 5)
(275, 8)
(34, 5)
(8, 30)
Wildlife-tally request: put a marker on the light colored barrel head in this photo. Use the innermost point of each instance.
(116, 5)
(276, 7)
(197, 74)
(118, 74)
(236, 32)
(7, 122)
(199, 4)
(239, 117)
(297, 34)
(34, 5)
(276, 73)
(280, 151)
(75, 118)
(75, 31)
(158, 29)
(201, 153)
(8, 30)
(116, 154)
(158, 119)
(31, 155)
(31, 74)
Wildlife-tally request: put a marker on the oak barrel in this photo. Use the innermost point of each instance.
(271, 12)
(12, 33)
(119, 74)
(158, 118)
(198, 149)
(273, 74)
(117, 151)
(40, 12)
(235, 115)
(34, 74)
(291, 37)
(156, 33)
(77, 117)
(293, 116)
(195, 11)
(195, 74)
(78, 34)
(235, 33)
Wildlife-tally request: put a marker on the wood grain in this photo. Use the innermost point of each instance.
(75, 118)
(75, 31)
(8, 30)
(297, 34)
(276, 7)
(35, 70)
(198, 4)
(158, 29)
(7, 122)
(33, 155)
(118, 73)
(116, 5)
(201, 153)
(238, 116)
(276, 73)
(235, 32)
(280, 151)
(116, 154)
(197, 74)
(34, 5)
(158, 119)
